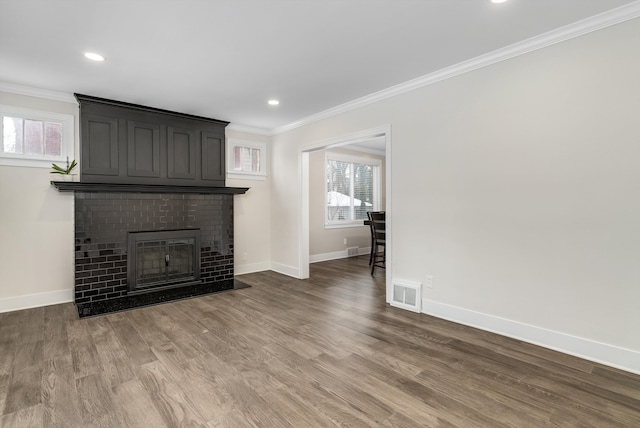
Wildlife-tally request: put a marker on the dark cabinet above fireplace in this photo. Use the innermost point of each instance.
(123, 143)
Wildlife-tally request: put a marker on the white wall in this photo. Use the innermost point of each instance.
(252, 217)
(285, 203)
(516, 187)
(325, 243)
(36, 227)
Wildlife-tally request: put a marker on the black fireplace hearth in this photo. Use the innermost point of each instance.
(134, 249)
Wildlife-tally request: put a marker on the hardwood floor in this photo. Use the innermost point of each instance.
(287, 353)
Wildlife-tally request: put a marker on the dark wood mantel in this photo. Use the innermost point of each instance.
(73, 186)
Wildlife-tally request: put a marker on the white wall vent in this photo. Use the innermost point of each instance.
(407, 295)
(352, 251)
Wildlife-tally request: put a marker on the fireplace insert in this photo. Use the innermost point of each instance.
(163, 259)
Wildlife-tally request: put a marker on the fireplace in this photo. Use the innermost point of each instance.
(163, 259)
(153, 215)
(139, 246)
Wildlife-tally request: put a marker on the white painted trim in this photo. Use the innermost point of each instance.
(389, 263)
(355, 223)
(367, 150)
(315, 258)
(303, 220)
(249, 129)
(286, 270)
(243, 268)
(580, 28)
(603, 353)
(254, 177)
(354, 137)
(344, 254)
(37, 92)
(17, 303)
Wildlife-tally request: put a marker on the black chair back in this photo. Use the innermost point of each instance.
(378, 239)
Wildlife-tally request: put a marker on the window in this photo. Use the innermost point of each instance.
(247, 160)
(352, 189)
(35, 138)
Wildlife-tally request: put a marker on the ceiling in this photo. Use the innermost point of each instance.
(225, 58)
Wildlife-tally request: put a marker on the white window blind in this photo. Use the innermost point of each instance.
(352, 189)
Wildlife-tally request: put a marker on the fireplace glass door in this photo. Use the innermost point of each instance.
(163, 258)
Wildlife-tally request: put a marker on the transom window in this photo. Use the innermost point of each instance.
(34, 138)
(247, 159)
(352, 189)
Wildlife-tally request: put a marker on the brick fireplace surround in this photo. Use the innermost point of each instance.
(102, 223)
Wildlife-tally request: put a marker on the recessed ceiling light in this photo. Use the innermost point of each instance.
(94, 56)
(498, 1)
(273, 102)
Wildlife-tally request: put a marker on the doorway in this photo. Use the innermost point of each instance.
(383, 133)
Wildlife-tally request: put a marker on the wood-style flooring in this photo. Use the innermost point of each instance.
(322, 352)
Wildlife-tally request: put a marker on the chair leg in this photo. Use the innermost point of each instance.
(374, 254)
(371, 252)
(377, 258)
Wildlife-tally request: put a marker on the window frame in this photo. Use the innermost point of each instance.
(232, 143)
(38, 161)
(377, 186)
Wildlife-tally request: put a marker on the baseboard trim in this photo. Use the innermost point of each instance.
(9, 304)
(315, 258)
(324, 257)
(241, 269)
(285, 270)
(609, 355)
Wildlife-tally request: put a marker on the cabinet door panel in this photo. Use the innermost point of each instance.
(213, 160)
(99, 145)
(181, 156)
(131, 144)
(143, 147)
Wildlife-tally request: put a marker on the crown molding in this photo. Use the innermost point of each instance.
(249, 129)
(69, 98)
(37, 92)
(577, 29)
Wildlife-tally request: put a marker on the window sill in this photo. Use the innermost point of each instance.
(29, 163)
(236, 176)
(359, 223)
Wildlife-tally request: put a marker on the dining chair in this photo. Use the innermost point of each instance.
(378, 256)
(370, 223)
